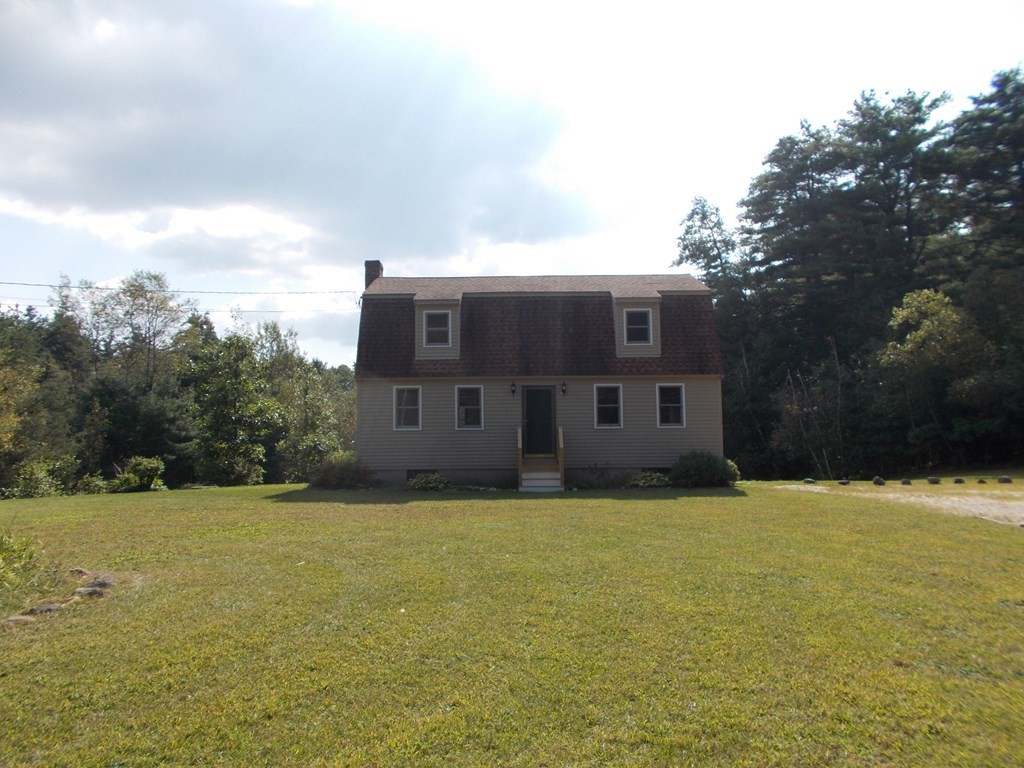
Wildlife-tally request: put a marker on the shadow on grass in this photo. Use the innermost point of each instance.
(380, 496)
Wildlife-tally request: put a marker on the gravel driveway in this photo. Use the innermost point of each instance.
(997, 506)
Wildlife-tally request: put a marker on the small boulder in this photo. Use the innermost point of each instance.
(20, 619)
(958, 481)
(878, 480)
(844, 482)
(1004, 479)
(36, 610)
(89, 592)
(809, 481)
(934, 480)
(102, 582)
(79, 572)
(906, 481)
(982, 481)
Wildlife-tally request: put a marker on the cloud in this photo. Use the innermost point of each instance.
(375, 142)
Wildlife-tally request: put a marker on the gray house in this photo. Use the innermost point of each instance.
(534, 382)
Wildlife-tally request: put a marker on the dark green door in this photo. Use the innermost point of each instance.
(539, 421)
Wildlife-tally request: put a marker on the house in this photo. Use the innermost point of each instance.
(534, 382)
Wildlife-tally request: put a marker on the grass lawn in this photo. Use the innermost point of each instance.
(752, 627)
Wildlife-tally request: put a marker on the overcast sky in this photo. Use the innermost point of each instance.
(272, 146)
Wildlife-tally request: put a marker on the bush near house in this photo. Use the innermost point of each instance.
(701, 469)
(648, 480)
(339, 470)
(428, 481)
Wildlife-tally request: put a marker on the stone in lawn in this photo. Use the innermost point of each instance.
(958, 481)
(934, 480)
(35, 610)
(982, 481)
(809, 481)
(89, 592)
(79, 572)
(1004, 479)
(102, 582)
(878, 480)
(20, 619)
(844, 482)
(905, 481)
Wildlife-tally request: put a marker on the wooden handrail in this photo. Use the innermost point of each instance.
(561, 457)
(519, 454)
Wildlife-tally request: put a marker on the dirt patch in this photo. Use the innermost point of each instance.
(997, 506)
(812, 488)
(1006, 507)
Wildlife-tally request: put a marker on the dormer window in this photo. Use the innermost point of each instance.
(637, 324)
(437, 329)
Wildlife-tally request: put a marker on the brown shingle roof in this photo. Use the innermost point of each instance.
(454, 288)
(539, 327)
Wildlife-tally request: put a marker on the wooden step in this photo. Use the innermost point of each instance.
(541, 482)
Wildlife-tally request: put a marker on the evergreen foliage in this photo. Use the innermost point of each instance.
(869, 303)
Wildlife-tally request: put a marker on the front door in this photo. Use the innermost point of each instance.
(539, 421)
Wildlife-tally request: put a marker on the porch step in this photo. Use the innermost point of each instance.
(541, 482)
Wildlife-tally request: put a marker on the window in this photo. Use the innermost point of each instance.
(437, 329)
(638, 326)
(469, 407)
(671, 405)
(407, 407)
(608, 405)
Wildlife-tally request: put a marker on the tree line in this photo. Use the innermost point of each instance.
(137, 371)
(870, 301)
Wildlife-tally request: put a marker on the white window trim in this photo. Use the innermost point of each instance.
(446, 345)
(394, 409)
(469, 386)
(625, 327)
(622, 417)
(682, 405)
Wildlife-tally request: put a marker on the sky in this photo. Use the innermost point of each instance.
(257, 152)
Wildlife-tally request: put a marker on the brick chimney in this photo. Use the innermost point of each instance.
(374, 269)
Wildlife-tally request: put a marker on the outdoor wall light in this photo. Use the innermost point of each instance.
(563, 389)
(513, 389)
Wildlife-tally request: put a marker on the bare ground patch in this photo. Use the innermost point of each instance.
(1005, 507)
(997, 506)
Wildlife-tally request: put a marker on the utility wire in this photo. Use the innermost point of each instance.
(173, 290)
(342, 311)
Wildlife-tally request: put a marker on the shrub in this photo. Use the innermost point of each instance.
(702, 469)
(428, 481)
(339, 469)
(89, 484)
(148, 470)
(35, 479)
(648, 480)
(141, 473)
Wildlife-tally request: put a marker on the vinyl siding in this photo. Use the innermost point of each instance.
(440, 446)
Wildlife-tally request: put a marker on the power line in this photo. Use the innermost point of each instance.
(172, 290)
(340, 311)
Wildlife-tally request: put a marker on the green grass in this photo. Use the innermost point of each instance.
(751, 627)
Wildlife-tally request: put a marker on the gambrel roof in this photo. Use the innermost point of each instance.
(537, 326)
